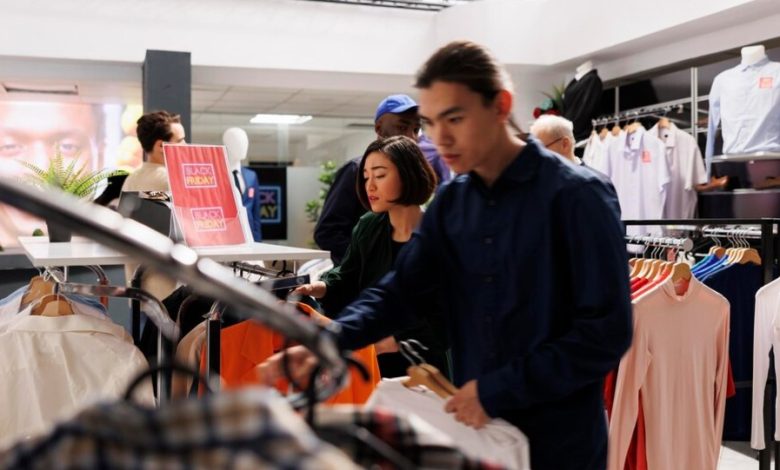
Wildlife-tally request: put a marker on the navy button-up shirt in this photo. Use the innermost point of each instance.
(533, 275)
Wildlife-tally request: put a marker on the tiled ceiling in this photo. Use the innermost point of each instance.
(322, 103)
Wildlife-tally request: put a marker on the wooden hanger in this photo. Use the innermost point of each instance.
(633, 127)
(420, 376)
(422, 373)
(37, 288)
(664, 123)
(52, 305)
(616, 129)
(640, 262)
(603, 133)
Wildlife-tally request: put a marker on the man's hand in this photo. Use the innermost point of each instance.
(316, 289)
(466, 406)
(300, 360)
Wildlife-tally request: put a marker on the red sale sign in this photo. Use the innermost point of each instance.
(204, 201)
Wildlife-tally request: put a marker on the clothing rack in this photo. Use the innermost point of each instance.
(684, 244)
(768, 227)
(643, 111)
(151, 248)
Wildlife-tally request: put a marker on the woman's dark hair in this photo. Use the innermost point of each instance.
(466, 63)
(418, 179)
(155, 126)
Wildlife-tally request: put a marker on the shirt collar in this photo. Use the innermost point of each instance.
(523, 167)
(760, 63)
(671, 140)
(635, 143)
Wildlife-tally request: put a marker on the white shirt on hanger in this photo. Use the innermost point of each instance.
(686, 170)
(636, 164)
(766, 337)
(596, 151)
(498, 441)
(53, 367)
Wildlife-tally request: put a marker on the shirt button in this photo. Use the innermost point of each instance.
(488, 279)
(488, 240)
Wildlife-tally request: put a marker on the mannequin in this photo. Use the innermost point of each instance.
(752, 54)
(581, 99)
(583, 68)
(236, 143)
(745, 101)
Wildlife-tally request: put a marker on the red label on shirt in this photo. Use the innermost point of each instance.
(765, 82)
(645, 156)
(251, 193)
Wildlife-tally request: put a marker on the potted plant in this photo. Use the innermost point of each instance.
(72, 179)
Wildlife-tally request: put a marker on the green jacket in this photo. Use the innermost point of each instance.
(368, 258)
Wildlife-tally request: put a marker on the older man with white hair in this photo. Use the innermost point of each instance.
(557, 134)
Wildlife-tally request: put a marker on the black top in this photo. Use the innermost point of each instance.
(340, 213)
(397, 248)
(370, 256)
(580, 102)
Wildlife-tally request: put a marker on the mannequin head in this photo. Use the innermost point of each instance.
(752, 54)
(236, 143)
(583, 68)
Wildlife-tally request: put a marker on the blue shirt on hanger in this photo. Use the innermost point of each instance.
(533, 274)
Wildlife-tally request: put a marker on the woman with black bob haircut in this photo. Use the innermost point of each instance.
(394, 180)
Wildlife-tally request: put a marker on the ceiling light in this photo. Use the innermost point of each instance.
(279, 119)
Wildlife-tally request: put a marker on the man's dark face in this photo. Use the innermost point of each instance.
(407, 124)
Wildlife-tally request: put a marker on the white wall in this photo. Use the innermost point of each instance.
(302, 186)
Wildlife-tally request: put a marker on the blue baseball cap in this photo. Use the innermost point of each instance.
(395, 104)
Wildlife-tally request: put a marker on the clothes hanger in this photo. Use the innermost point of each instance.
(749, 255)
(430, 377)
(52, 305)
(409, 344)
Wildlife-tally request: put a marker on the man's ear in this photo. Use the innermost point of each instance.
(503, 104)
(378, 127)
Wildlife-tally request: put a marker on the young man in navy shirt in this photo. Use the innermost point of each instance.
(526, 254)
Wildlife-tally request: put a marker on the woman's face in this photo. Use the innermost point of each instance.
(383, 183)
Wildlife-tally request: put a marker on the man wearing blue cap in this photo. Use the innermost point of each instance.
(395, 115)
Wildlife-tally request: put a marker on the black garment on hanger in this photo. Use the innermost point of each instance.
(580, 102)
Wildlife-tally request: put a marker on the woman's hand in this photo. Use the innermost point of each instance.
(316, 289)
(387, 345)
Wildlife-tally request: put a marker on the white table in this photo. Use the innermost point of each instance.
(85, 252)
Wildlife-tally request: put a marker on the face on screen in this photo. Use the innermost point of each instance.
(34, 132)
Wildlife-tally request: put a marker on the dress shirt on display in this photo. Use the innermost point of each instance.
(596, 151)
(503, 262)
(745, 101)
(686, 170)
(636, 164)
(580, 101)
(53, 367)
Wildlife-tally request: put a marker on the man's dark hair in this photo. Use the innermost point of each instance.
(155, 126)
(468, 64)
(418, 179)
